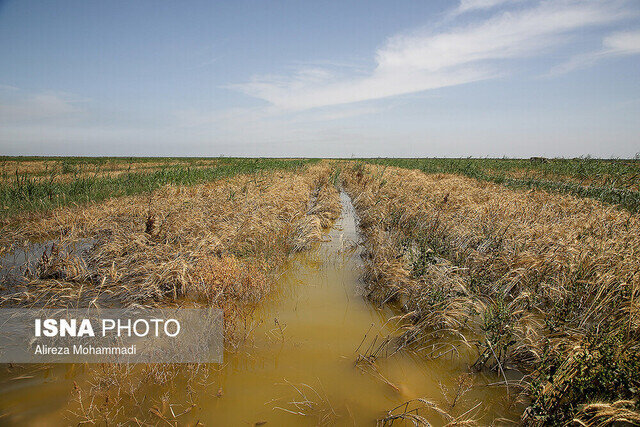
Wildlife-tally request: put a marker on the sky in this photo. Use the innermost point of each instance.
(482, 78)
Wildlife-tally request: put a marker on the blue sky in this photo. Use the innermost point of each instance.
(332, 78)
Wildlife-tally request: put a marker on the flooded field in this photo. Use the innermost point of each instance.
(297, 365)
(14, 264)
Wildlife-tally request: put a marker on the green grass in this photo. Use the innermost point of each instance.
(23, 193)
(610, 181)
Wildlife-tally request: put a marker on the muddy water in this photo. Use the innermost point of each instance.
(14, 264)
(309, 342)
(298, 367)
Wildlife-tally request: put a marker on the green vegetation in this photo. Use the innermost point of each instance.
(606, 368)
(551, 293)
(23, 192)
(615, 182)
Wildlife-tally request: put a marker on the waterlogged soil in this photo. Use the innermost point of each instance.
(14, 264)
(298, 366)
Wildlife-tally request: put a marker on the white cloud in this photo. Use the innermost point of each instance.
(297, 94)
(424, 60)
(7, 87)
(38, 106)
(623, 43)
(242, 117)
(617, 44)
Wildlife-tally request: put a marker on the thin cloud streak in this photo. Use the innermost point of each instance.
(617, 44)
(423, 61)
(39, 106)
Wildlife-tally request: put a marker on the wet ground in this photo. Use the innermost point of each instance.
(299, 366)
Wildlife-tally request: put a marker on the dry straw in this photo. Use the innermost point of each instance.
(221, 244)
(550, 283)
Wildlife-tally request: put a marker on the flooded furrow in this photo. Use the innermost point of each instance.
(301, 366)
(298, 363)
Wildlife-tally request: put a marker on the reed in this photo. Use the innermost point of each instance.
(541, 282)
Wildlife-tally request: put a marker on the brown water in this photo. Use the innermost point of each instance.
(298, 367)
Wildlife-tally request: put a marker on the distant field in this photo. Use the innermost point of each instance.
(615, 182)
(30, 184)
(67, 168)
